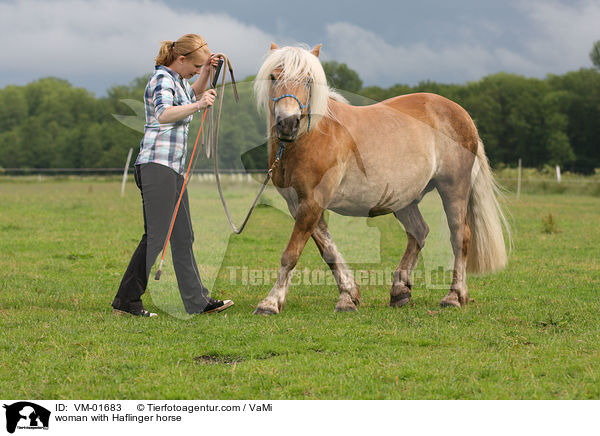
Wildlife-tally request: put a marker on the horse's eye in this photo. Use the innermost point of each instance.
(272, 77)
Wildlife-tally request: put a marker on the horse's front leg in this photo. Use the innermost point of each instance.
(307, 217)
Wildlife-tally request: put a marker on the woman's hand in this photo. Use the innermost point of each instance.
(207, 98)
(212, 60)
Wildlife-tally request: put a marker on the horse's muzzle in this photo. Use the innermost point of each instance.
(287, 128)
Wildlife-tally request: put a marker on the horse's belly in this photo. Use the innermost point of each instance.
(383, 183)
(371, 199)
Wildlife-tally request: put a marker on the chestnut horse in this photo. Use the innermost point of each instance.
(369, 161)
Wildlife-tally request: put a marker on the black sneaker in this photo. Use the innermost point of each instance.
(215, 306)
(143, 313)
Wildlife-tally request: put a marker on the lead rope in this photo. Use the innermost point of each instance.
(214, 145)
(260, 191)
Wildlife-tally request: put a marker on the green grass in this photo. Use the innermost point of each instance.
(543, 181)
(533, 330)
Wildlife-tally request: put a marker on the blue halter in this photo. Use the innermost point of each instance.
(275, 100)
(302, 106)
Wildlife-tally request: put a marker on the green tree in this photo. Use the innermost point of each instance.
(50, 123)
(36, 142)
(374, 93)
(595, 54)
(10, 149)
(558, 145)
(580, 103)
(341, 76)
(13, 107)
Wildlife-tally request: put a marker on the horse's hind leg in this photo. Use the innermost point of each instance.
(416, 231)
(454, 199)
(349, 293)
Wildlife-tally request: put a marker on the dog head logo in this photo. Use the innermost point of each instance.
(25, 415)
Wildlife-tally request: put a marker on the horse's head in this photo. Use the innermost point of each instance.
(291, 85)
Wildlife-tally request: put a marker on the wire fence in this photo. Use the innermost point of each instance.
(105, 171)
(528, 184)
(547, 180)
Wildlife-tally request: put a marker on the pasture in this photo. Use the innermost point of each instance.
(532, 331)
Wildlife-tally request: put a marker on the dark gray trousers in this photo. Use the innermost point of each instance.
(160, 187)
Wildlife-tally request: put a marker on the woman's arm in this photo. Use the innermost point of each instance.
(200, 84)
(172, 114)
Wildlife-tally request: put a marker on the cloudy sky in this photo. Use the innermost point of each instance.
(100, 43)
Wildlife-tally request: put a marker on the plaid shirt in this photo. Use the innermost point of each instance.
(165, 144)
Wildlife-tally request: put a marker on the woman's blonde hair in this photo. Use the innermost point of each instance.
(191, 45)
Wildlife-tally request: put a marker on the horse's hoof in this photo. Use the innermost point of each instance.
(450, 300)
(264, 312)
(345, 304)
(400, 294)
(399, 300)
(346, 309)
(355, 296)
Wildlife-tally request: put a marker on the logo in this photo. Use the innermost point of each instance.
(25, 415)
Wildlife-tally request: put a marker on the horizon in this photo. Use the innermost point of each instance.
(418, 83)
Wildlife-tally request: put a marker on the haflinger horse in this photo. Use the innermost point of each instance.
(373, 160)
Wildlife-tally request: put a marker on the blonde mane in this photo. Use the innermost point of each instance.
(297, 64)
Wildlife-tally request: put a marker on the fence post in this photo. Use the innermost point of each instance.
(125, 172)
(519, 180)
(558, 173)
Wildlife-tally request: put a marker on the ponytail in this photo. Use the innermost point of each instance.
(166, 53)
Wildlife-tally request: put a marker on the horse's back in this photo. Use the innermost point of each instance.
(439, 113)
(436, 113)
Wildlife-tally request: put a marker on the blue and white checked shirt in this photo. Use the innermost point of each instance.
(165, 144)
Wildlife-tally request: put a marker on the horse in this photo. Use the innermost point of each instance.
(365, 161)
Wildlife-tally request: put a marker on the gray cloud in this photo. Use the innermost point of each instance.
(77, 38)
(563, 34)
(379, 61)
(103, 42)
(557, 40)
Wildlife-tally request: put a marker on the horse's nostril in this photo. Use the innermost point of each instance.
(288, 125)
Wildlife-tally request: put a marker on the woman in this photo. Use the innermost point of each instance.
(170, 103)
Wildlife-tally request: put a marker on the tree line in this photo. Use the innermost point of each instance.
(552, 121)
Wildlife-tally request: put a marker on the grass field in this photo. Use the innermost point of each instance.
(533, 330)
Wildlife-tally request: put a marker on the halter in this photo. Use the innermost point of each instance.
(302, 106)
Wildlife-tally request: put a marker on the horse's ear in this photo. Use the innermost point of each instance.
(274, 46)
(317, 50)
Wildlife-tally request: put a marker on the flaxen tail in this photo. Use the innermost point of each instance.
(487, 250)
